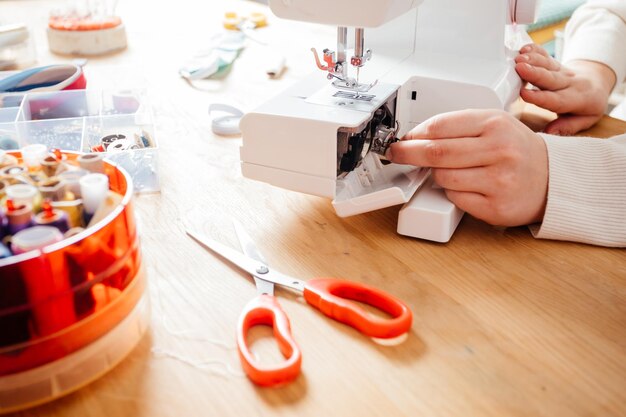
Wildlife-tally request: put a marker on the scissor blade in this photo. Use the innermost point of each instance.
(242, 261)
(250, 249)
(247, 244)
(247, 264)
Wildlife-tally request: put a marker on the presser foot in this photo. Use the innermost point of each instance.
(353, 95)
(351, 84)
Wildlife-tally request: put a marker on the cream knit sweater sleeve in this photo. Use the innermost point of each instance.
(587, 176)
(597, 32)
(586, 191)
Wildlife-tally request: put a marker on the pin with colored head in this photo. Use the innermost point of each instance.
(52, 164)
(19, 216)
(49, 216)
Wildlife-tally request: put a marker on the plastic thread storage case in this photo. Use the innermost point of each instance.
(71, 311)
(86, 121)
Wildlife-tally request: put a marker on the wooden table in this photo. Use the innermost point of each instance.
(504, 325)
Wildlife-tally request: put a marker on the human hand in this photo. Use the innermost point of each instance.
(578, 93)
(489, 163)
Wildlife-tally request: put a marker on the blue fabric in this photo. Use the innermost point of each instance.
(16, 82)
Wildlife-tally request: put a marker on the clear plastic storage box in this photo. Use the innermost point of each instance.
(118, 122)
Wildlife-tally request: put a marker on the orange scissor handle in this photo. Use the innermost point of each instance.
(265, 310)
(333, 298)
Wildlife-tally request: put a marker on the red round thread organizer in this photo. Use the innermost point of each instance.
(71, 311)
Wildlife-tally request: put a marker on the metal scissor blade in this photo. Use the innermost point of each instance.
(250, 249)
(242, 261)
(247, 244)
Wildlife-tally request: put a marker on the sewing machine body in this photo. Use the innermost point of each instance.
(442, 57)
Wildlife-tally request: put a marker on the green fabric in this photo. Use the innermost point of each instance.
(554, 11)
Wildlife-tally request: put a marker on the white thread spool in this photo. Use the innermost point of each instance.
(94, 189)
(35, 237)
(92, 162)
(34, 154)
(71, 180)
(22, 193)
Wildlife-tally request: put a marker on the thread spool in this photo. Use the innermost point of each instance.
(52, 164)
(144, 140)
(92, 162)
(19, 217)
(73, 208)
(51, 217)
(33, 155)
(3, 224)
(6, 160)
(34, 178)
(94, 189)
(35, 237)
(53, 189)
(109, 139)
(120, 145)
(22, 194)
(13, 174)
(71, 178)
(3, 189)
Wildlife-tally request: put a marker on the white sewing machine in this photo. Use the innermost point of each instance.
(324, 136)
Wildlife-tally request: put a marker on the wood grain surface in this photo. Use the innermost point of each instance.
(504, 325)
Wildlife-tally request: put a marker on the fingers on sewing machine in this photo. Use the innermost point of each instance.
(571, 100)
(533, 47)
(543, 78)
(567, 125)
(451, 125)
(553, 101)
(538, 60)
(455, 141)
(499, 176)
(440, 153)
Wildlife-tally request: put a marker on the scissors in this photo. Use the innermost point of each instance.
(329, 295)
